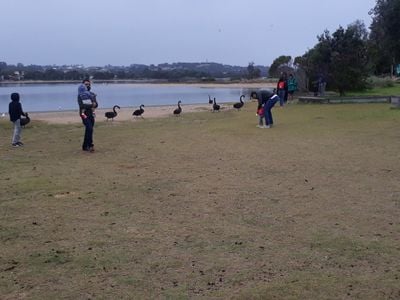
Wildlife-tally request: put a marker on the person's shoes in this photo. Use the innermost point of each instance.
(16, 145)
(91, 149)
(20, 143)
(259, 126)
(266, 126)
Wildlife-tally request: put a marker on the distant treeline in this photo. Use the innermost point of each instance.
(170, 72)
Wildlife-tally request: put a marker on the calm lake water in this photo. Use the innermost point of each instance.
(53, 97)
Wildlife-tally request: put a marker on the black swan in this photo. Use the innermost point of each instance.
(240, 104)
(25, 120)
(210, 101)
(178, 110)
(112, 114)
(138, 112)
(216, 107)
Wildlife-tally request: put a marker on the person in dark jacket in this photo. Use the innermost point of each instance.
(15, 111)
(268, 105)
(87, 103)
(262, 97)
(260, 109)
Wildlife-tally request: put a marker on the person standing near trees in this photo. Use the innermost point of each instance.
(292, 86)
(282, 88)
(321, 85)
(87, 103)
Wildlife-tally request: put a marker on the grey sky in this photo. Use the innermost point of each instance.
(122, 32)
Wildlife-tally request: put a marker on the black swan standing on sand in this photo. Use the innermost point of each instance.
(210, 101)
(216, 107)
(25, 120)
(178, 110)
(239, 105)
(112, 114)
(138, 112)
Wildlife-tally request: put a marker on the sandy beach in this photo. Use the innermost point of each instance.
(124, 114)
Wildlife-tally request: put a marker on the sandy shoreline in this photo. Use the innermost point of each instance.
(124, 114)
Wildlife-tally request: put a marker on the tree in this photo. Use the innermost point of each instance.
(349, 59)
(72, 75)
(52, 74)
(341, 58)
(253, 72)
(100, 75)
(385, 34)
(277, 63)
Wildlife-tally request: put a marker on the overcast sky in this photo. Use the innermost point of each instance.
(123, 32)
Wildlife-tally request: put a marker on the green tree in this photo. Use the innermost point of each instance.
(72, 75)
(348, 65)
(52, 74)
(385, 35)
(341, 58)
(100, 75)
(252, 71)
(277, 63)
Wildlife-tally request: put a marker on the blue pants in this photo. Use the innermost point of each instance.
(88, 138)
(267, 110)
(281, 94)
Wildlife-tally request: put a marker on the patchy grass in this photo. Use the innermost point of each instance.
(379, 91)
(205, 205)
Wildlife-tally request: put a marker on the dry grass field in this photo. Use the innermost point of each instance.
(205, 205)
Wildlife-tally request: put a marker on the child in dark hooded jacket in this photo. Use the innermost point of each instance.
(15, 111)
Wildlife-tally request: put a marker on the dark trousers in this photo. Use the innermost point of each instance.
(267, 110)
(282, 95)
(88, 139)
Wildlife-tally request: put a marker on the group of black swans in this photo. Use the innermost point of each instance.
(139, 112)
(177, 111)
(216, 107)
(112, 114)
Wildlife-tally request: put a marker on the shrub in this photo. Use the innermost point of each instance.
(379, 82)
